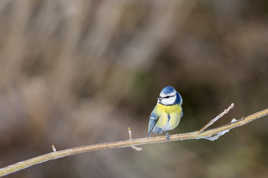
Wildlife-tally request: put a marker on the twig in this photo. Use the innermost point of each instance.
(127, 143)
(53, 148)
(217, 118)
(130, 138)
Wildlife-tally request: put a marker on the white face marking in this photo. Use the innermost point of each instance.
(167, 101)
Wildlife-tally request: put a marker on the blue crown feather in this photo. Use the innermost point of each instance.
(168, 89)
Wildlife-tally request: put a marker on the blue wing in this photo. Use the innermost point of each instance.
(152, 121)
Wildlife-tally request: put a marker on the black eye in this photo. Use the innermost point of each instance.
(167, 97)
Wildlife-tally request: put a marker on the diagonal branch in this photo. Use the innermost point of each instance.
(217, 118)
(129, 143)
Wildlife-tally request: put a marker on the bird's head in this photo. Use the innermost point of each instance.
(169, 96)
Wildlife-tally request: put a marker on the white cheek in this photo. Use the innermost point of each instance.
(168, 101)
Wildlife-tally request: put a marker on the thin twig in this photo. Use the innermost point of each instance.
(53, 148)
(127, 143)
(130, 138)
(216, 118)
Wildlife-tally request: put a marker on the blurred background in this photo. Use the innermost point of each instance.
(81, 72)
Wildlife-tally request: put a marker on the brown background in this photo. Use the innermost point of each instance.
(81, 72)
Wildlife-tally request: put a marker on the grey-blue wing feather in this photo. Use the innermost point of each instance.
(152, 121)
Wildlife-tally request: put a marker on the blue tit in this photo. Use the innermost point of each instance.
(167, 113)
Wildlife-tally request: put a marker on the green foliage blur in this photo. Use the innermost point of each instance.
(81, 72)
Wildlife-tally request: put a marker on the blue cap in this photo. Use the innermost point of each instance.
(168, 90)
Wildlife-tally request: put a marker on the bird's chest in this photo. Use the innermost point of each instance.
(168, 117)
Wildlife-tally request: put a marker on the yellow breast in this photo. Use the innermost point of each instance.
(167, 109)
(169, 116)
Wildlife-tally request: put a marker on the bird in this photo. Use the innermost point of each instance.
(167, 112)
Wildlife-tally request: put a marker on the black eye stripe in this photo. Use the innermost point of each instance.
(167, 96)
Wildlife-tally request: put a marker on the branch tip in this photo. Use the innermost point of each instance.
(211, 122)
(130, 138)
(53, 148)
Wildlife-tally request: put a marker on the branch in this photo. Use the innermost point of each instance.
(131, 142)
(217, 118)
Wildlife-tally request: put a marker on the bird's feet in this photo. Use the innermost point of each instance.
(167, 136)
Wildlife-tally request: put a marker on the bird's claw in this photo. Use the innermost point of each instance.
(167, 136)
